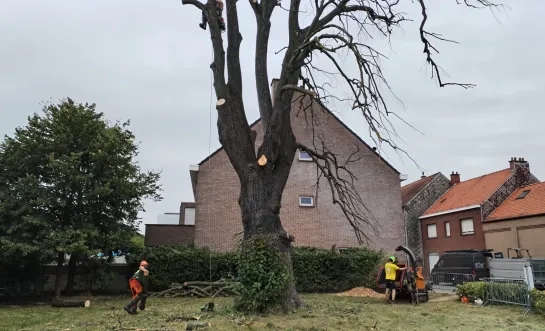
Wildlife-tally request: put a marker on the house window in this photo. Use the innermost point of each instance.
(467, 226)
(304, 156)
(306, 201)
(189, 217)
(447, 229)
(523, 194)
(432, 231)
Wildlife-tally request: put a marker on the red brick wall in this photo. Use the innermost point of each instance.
(169, 235)
(456, 240)
(218, 217)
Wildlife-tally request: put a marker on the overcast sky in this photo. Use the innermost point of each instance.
(148, 61)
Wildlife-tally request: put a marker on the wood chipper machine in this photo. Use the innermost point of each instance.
(408, 283)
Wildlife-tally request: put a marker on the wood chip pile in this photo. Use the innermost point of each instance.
(361, 292)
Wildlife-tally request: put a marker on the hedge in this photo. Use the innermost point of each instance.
(315, 270)
(477, 290)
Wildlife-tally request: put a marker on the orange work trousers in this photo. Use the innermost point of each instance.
(136, 287)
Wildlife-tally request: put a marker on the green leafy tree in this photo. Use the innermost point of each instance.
(70, 184)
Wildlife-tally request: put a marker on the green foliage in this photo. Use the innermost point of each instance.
(538, 301)
(97, 275)
(315, 270)
(473, 290)
(319, 270)
(262, 276)
(169, 265)
(69, 184)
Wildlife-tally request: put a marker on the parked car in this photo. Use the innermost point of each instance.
(459, 266)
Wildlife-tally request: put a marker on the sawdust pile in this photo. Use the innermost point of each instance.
(361, 292)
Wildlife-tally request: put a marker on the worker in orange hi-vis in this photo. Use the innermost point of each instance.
(139, 288)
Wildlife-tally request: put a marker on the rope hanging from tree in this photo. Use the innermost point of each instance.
(210, 150)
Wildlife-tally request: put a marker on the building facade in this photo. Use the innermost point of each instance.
(173, 228)
(454, 221)
(519, 222)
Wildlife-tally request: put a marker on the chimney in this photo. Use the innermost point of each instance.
(514, 163)
(423, 176)
(454, 178)
(274, 87)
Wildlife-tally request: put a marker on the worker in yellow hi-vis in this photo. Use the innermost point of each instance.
(390, 268)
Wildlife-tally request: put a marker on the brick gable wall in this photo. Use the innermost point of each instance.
(218, 221)
(417, 206)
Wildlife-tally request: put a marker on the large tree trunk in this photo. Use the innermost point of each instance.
(260, 207)
(58, 275)
(72, 268)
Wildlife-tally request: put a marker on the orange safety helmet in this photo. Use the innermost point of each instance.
(144, 263)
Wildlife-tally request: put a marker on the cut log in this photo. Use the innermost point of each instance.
(220, 102)
(197, 325)
(70, 303)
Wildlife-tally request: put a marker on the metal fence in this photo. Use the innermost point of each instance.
(16, 289)
(508, 291)
(446, 282)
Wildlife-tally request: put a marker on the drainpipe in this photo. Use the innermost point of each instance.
(405, 232)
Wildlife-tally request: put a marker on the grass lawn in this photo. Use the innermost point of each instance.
(324, 312)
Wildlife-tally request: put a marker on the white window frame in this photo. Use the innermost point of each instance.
(302, 158)
(467, 233)
(192, 211)
(428, 230)
(447, 229)
(301, 204)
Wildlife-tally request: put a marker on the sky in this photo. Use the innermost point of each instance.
(148, 61)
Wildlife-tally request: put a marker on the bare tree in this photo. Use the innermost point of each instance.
(336, 27)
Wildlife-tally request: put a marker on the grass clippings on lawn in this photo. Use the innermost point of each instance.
(324, 312)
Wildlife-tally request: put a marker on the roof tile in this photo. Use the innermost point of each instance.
(410, 190)
(532, 204)
(470, 192)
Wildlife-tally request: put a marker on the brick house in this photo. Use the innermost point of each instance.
(454, 221)
(416, 198)
(307, 213)
(518, 222)
(180, 232)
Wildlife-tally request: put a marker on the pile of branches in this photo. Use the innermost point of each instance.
(198, 289)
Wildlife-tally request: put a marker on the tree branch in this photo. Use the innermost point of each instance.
(233, 129)
(263, 12)
(234, 39)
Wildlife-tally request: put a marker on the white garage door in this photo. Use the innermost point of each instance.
(433, 259)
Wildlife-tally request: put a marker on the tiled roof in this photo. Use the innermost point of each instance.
(532, 204)
(470, 192)
(410, 190)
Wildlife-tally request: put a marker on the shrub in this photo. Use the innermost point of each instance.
(538, 301)
(183, 263)
(473, 290)
(315, 270)
(262, 277)
(319, 270)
